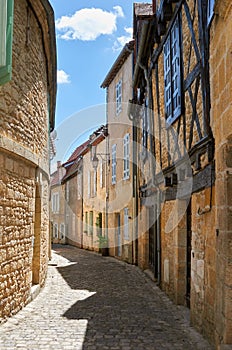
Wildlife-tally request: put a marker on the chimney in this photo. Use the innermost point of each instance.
(60, 169)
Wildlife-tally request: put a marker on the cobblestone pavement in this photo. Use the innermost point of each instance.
(94, 302)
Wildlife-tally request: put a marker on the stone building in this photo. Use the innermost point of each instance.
(84, 192)
(27, 106)
(182, 78)
(118, 84)
(57, 206)
(95, 201)
(72, 184)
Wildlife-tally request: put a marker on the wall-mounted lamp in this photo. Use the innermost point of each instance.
(95, 159)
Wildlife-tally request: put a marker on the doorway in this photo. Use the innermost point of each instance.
(153, 246)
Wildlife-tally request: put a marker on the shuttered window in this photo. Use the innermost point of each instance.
(172, 74)
(6, 35)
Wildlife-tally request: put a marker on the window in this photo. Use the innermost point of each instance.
(67, 191)
(172, 74)
(62, 231)
(6, 34)
(90, 222)
(126, 155)
(94, 183)
(79, 186)
(102, 174)
(113, 164)
(210, 10)
(119, 97)
(55, 202)
(55, 230)
(126, 224)
(89, 183)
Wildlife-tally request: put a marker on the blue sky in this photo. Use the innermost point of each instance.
(90, 35)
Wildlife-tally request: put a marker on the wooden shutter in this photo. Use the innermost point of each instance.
(6, 37)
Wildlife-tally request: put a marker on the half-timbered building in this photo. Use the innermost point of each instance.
(181, 109)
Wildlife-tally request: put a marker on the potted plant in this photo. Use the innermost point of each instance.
(103, 245)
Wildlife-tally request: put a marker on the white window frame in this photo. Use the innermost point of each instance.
(95, 182)
(172, 73)
(210, 11)
(101, 174)
(55, 202)
(126, 224)
(67, 191)
(114, 162)
(126, 157)
(118, 97)
(55, 230)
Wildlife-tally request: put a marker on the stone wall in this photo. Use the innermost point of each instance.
(24, 169)
(17, 205)
(221, 87)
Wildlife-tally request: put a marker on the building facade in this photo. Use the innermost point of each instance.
(95, 202)
(182, 81)
(118, 84)
(27, 105)
(57, 206)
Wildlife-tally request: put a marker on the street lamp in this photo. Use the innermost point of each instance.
(95, 161)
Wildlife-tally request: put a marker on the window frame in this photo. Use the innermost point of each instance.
(55, 202)
(94, 182)
(114, 162)
(89, 184)
(118, 89)
(55, 230)
(67, 192)
(6, 67)
(173, 73)
(126, 157)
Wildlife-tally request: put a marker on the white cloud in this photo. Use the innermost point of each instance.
(122, 40)
(62, 77)
(88, 24)
(118, 11)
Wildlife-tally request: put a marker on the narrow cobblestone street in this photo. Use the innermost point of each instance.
(94, 302)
